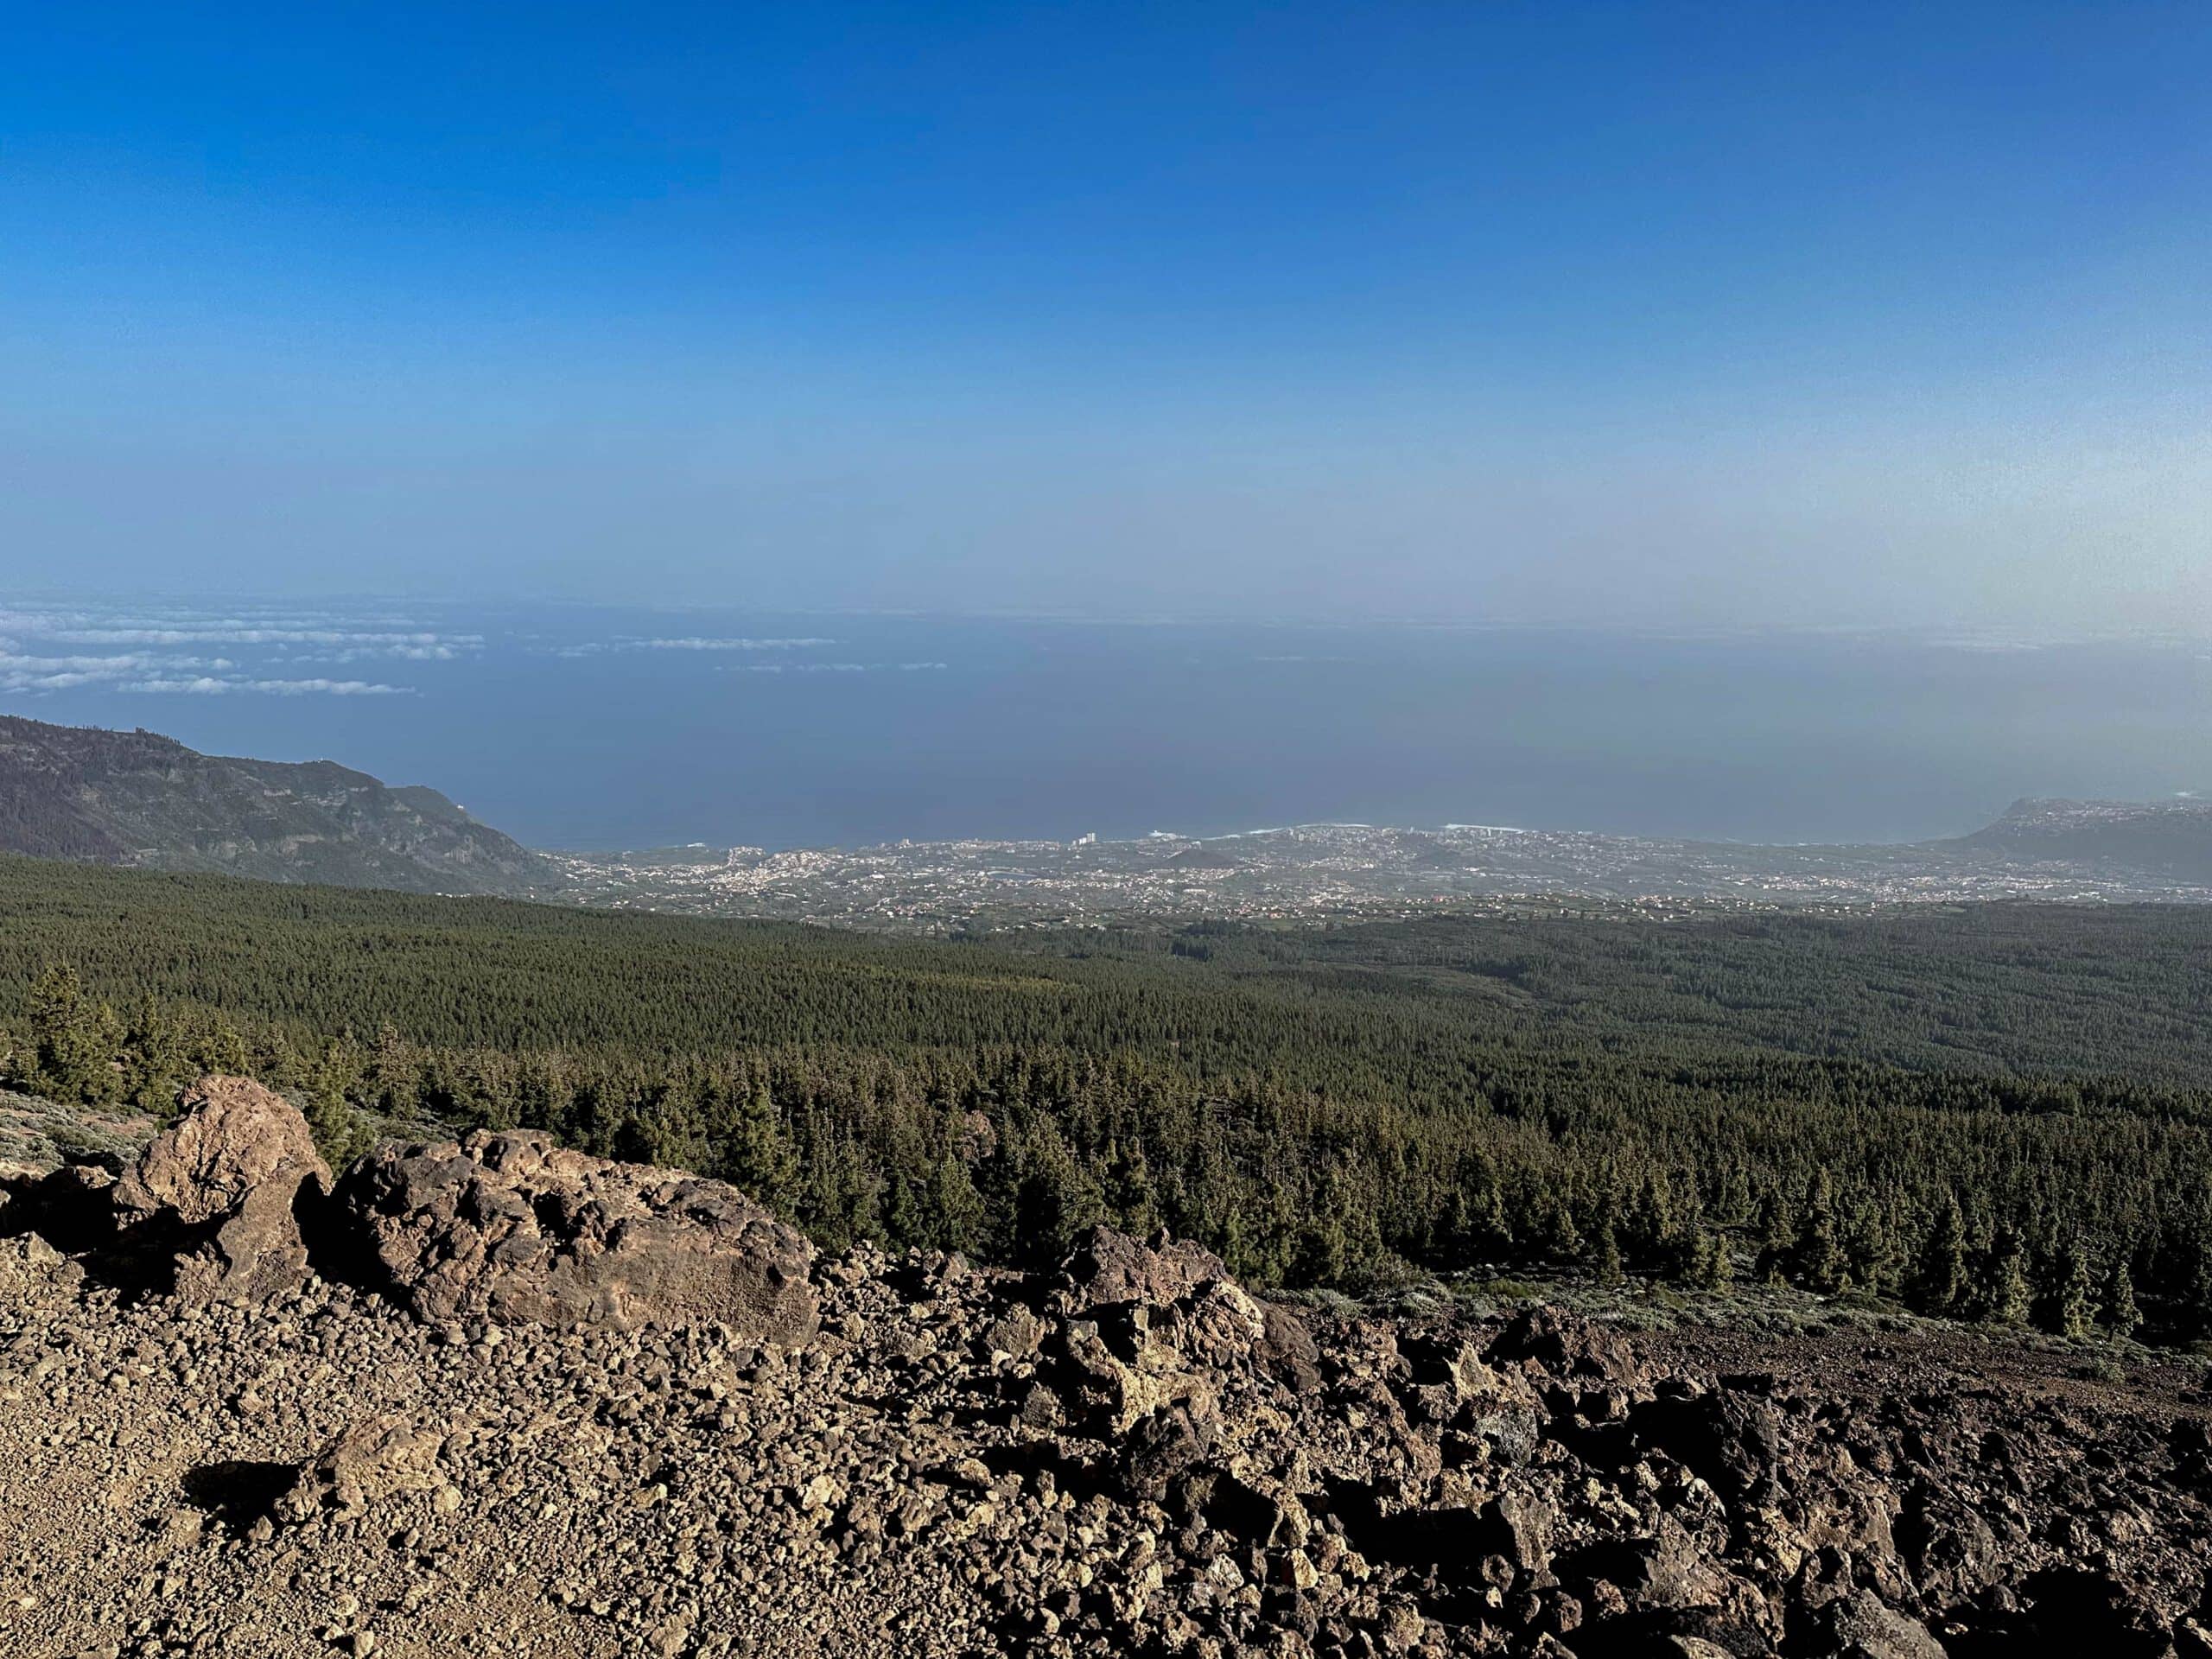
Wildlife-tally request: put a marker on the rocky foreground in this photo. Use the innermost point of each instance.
(494, 1397)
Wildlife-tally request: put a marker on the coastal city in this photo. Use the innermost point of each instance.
(2050, 851)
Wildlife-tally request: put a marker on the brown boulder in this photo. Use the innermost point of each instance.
(1953, 1555)
(1287, 1351)
(1109, 1269)
(375, 1458)
(221, 1188)
(1861, 1627)
(512, 1227)
(1566, 1347)
(1178, 1293)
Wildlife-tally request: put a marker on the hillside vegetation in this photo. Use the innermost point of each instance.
(142, 799)
(1998, 1111)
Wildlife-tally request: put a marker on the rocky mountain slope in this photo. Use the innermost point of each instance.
(493, 1397)
(138, 799)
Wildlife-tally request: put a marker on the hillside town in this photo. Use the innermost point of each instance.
(1316, 872)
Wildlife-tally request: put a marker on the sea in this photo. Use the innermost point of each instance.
(605, 728)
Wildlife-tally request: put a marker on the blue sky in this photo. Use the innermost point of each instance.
(1696, 315)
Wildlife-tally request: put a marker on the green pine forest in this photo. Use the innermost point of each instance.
(1996, 1112)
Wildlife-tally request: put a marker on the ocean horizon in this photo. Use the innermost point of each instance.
(598, 728)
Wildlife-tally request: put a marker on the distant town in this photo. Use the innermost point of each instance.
(2063, 851)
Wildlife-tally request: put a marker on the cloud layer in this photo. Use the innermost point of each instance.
(601, 647)
(837, 668)
(165, 655)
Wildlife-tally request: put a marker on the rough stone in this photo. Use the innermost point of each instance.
(512, 1226)
(223, 1188)
(371, 1460)
(322, 1473)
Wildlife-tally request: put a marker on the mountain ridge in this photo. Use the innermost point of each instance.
(2172, 838)
(142, 799)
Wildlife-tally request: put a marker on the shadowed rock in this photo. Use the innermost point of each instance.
(221, 1191)
(1109, 1269)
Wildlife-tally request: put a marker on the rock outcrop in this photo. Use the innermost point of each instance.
(221, 1189)
(512, 1227)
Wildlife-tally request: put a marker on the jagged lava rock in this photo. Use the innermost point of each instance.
(1178, 1290)
(1109, 1269)
(222, 1188)
(372, 1459)
(317, 1474)
(513, 1227)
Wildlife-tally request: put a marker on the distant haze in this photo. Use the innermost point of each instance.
(591, 726)
(1737, 315)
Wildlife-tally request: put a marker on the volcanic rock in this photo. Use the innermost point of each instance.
(1110, 1270)
(221, 1188)
(1860, 1627)
(986, 1465)
(375, 1458)
(512, 1227)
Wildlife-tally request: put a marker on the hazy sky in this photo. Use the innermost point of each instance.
(1686, 314)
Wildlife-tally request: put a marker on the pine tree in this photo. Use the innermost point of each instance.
(1776, 1241)
(219, 1048)
(1488, 1234)
(2192, 1293)
(665, 1127)
(955, 1207)
(1452, 1248)
(1560, 1240)
(1605, 1253)
(1817, 1261)
(340, 1134)
(1709, 1267)
(155, 1063)
(1871, 1254)
(2075, 1301)
(75, 1040)
(1264, 1236)
(757, 1156)
(837, 1197)
(2121, 1317)
(1058, 1201)
(393, 1080)
(1128, 1190)
(2007, 1298)
(1323, 1252)
(1653, 1226)
(1939, 1282)
(1364, 1248)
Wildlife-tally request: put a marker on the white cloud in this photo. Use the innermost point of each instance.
(156, 665)
(206, 685)
(700, 642)
(187, 628)
(19, 672)
(835, 668)
(437, 653)
(62, 682)
(696, 644)
(241, 636)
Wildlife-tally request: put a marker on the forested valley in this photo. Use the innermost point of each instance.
(1993, 1112)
